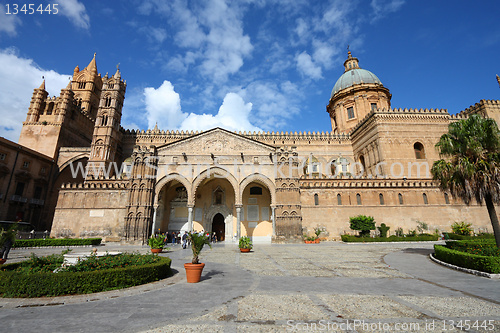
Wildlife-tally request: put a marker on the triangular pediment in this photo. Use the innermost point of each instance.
(216, 141)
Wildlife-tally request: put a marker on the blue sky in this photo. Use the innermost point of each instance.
(251, 65)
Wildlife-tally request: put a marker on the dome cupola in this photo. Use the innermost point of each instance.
(355, 94)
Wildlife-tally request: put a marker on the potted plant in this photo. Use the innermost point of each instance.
(7, 239)
(156, 243)
(195, 268)
(245, 244)
(317, 232)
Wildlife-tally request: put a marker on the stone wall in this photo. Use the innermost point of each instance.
(91, 210)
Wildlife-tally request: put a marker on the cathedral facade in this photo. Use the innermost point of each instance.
(125, 184)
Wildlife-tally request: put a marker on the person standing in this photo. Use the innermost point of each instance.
(7, 239)
(184, 239)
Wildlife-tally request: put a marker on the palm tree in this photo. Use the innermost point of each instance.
(472, 170)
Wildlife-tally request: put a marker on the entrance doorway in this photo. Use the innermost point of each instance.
(219, 227)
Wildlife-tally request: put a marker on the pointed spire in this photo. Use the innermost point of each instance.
(117, 75)
(42, 86)
(351, 62)
(92, 67)
(69, 85)
(156, 127)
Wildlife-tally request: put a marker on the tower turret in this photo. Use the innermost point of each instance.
(87, 85)
(107, 124)
(37, 104)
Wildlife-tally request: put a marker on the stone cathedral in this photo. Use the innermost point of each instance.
(101, 180)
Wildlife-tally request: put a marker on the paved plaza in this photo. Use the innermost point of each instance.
(330, 286)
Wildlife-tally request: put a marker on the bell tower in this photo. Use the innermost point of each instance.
(87, 85)
(107, 133)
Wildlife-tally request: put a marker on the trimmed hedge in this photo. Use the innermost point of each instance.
(39, 242)
(419, 238)
(13, 284)
(462, 237)
(472, 261)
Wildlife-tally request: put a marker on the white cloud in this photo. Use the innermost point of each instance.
(154, 35)
(213, 30)
(18, 77)
(307, 67)
(233, 115)
(8, 23)
(163, 107)
(382, 8)
(75, 11)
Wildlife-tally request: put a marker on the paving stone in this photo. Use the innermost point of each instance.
(368, 307)
(455, 306)
(275, 307)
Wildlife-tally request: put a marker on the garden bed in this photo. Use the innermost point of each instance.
(480, 255)
(40, 242)
(419, 238)
(35, 277)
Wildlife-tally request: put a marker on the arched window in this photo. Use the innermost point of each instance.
(426, 202)
(255, 190)
(81, 85)
(358, 198)
(107, 101)
(362, 161)
(446, 199)
(316, 199)
(419, 151)
(50, 108)
(381, 198)
(400, 196)
(339, 199)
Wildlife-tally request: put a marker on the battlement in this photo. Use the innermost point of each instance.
(401, 112)
(96, 185)
(181, 134)
(363, 182)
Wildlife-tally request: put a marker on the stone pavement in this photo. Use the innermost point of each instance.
(277, 288)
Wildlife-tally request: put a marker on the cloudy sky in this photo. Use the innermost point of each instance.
(250, 64)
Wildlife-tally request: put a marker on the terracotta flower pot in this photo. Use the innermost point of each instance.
(193, 272)
(2, 261)
(156, 250)
(244, 250)
(317, 241)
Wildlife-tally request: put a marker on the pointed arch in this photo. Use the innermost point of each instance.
(221, 173)
(262, 180)
(168, 178)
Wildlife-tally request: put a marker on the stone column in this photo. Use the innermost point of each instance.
(273, 220)
(153, 224)
(190, 219)
(238, 222)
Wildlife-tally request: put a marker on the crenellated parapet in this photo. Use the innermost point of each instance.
(401, 114)
(364, 183)
(101, 185)
(158, 137)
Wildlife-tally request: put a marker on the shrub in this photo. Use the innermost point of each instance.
(421, 227)
(461, 237)
(197, 244)
(481, 263)
(19, 284)
(393, 238)
(399, 232)
(362, 223)
(245, 243)
(157, 242)
(383, 230)
(485, 247)
(462, 228)
(411, 233)
(39, 242)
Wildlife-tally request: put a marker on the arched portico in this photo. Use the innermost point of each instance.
(171, 206)
(216, 173)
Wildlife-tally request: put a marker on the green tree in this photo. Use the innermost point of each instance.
(362, 223)
(472, 168)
